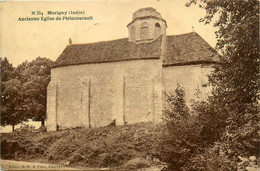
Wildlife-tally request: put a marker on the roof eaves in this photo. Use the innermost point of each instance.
(99, 62)
(190, 63)
(146, 18)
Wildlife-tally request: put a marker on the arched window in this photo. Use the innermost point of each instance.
(157, 29)
(144, 31)
(133, 33)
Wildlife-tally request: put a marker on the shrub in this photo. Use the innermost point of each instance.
(136, 163)
(207, 138)
(25, 128)
(240, 137)
(181, 138)
(213, 158)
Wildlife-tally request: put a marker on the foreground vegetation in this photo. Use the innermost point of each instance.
(221, 133)
(186, 140)
(205, 139)
(132, 146)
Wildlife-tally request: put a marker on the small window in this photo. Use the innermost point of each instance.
(157, 30)
(144, 25)
(157, 25)
(144, 31)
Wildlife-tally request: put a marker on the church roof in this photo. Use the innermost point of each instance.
(188, 48)
(180, 50)
(109, 51)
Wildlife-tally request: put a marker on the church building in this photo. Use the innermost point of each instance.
(125, 80)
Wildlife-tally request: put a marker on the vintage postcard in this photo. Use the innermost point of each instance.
(89, 85)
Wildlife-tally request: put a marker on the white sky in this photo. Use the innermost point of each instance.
(26, 40)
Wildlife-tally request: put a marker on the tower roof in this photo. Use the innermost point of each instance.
(146, 12)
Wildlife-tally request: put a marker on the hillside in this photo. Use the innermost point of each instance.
(132, 146)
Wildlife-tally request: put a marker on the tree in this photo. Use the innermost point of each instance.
(181, 137)
(235, 81)
(11, 98)
(7, 70)
(227, 125)
(35, 77)
(24, 91)
(178, 108)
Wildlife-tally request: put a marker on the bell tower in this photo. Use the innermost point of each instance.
(146, 26)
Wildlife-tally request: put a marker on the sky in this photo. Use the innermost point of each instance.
(26, 40)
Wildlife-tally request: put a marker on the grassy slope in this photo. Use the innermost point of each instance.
(97, 147)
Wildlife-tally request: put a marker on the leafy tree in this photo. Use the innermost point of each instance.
(228, 124)
(177, 106)
(7, 70)
(235, 82)
(19, 69)
(35, 77)
(11, 98)
(181, 136)
(24, 91)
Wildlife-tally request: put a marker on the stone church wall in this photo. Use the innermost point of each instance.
(95, 94)
(190, 77)
(52, 106)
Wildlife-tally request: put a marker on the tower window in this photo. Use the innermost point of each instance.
(144, 31)
(157, 25)
(157, 30)
(133, 33)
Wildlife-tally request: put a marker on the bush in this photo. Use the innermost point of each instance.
(182, 136)
(213, 158)
(240, 137)
(242, 134)
(10, 149)
(25, 128)
(207, 138)
(136, 163)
